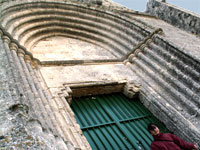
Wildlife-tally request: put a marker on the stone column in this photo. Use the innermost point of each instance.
(12, 70)
(63, 127)
(18, 89)
(28, 93)
(38, 101)
(37, 87)
(57, 121)
(67, 111)
(9, 96)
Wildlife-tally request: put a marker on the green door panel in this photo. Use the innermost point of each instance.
(114, 122)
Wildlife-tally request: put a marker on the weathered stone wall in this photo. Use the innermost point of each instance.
(35, 102)
(98, 2)
(100, 26)
(176, 16)
(170, 83)
(52, 120)
(69, 49)
(18, 128)
(31, 117)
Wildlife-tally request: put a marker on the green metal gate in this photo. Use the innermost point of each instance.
(113, 122)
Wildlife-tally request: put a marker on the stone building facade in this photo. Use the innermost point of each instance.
(48, 48)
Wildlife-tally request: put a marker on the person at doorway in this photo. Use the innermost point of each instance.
(167, 141)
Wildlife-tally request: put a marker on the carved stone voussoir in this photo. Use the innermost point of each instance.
(35, 63)
(6, 39)
(13, 46)
(20, 52)
(27, 58)
(143, 46)
(137, 51)
(149, 41)
(131, 56)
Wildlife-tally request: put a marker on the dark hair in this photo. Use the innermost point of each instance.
(151, 127)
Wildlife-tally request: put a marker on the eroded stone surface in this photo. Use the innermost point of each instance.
(56, 76)
(161, 91)
(180, 38)
(176, 16)
(62, 48)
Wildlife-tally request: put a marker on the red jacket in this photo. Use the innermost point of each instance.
(170, 141)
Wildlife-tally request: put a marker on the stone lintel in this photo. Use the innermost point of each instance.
(95, 88)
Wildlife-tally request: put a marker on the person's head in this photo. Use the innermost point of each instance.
(153, 129)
